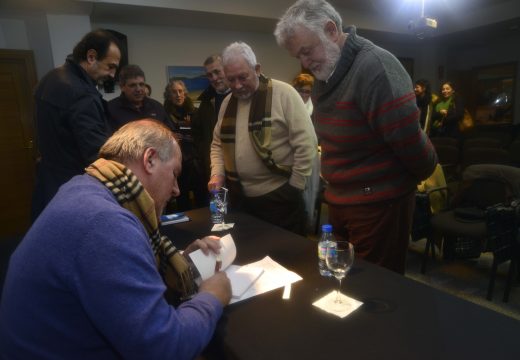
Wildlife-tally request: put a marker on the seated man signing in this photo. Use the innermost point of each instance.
(89, 278)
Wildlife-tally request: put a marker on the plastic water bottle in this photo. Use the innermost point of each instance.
(326, 240)
(216, 216)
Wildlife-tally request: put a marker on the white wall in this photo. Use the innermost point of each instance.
(28, 32)
(65, 31)
(154, 48)
(13, 34)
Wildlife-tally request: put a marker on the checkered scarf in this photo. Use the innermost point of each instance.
(131, 195)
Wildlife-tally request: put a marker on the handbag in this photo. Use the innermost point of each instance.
(467, 122)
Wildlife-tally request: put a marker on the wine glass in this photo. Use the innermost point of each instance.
(339, 259)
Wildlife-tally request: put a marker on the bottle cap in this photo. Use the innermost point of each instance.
(326, 228)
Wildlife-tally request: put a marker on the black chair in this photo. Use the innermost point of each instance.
(421, 224)
(473, 224)
(484, 155)
(444, 141)
(514, 153)
(449, 158)
(484, 142)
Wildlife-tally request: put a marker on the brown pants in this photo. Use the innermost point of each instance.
(379, 232)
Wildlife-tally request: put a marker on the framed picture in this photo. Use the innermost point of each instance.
(194, 77)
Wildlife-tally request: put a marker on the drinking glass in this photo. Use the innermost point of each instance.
(218, 205)
(339, 259)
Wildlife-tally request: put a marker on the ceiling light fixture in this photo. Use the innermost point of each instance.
(424, 26)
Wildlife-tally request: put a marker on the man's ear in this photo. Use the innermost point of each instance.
(257, 69)
(91, 56)
(331, 31)
(150, 160)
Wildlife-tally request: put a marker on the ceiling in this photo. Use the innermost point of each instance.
(460, 21)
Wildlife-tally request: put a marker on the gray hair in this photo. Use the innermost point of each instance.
(239, 49)
(168, 89)
(212, 58)
(311, 14)
(129, 143)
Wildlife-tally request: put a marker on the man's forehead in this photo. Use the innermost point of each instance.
(113, 54)
(138, 79)
(237, 64)
(217, 64)
(300, 38)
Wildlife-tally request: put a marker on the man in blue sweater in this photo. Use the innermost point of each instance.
(89, 278)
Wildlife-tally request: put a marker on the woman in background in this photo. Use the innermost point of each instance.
(448, 112)
(303, 83)
(425, 100)
(180, 109)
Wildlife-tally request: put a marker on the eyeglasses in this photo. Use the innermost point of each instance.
(304, 91)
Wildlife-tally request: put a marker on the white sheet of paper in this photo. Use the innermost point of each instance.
(206, 263)
(273, 277)
(242, 278)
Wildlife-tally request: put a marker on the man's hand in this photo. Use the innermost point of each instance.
(216, 182)
(206, 244)
(219, 286)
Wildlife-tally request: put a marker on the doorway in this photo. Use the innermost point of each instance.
(17, 147)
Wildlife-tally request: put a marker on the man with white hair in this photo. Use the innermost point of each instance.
(373, 150)
(263, 144)
(91, 278)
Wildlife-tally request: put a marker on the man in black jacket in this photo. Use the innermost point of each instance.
(133, 104)
(206, 117)
(70, 117)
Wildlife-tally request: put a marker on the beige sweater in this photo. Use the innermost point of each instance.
(294, 143)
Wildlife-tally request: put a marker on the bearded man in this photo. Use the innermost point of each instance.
(373, 150)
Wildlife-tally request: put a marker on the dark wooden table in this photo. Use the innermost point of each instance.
(400, 318)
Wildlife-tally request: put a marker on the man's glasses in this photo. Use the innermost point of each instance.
(304, 91)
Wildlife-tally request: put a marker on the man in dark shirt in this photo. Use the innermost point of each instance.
(206, 117)
(70, 116)
(133, 104)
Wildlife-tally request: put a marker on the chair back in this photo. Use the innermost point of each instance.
(484, 142)
(484, 155)
(444, 141)
(502, 227)
(449, 158)
(514, 152)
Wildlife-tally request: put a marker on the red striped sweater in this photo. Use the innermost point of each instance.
(368, 124)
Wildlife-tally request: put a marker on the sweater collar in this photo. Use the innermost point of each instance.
(351, 48)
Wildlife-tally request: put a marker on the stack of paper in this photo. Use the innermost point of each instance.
(248, 280)
(241, 277)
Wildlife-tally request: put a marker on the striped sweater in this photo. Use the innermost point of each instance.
(368, 124)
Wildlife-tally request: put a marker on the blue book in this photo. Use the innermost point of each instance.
(174, 218)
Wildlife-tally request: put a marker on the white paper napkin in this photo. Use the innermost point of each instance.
(222, 227)
(327, 303)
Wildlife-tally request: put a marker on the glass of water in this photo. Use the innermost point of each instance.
(218, 205)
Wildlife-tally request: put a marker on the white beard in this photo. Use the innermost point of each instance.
(332, 55)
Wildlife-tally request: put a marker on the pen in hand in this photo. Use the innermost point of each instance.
(218, 264)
